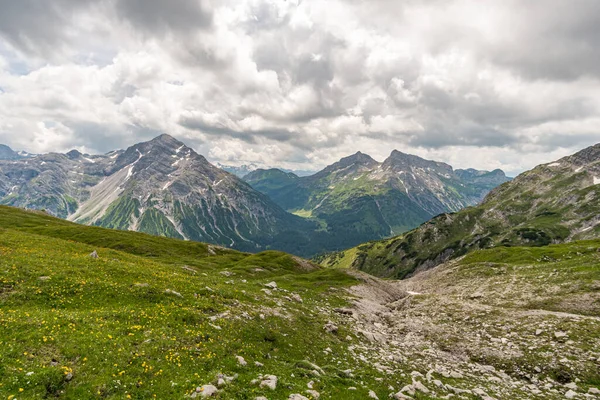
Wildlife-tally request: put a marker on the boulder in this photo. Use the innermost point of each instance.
(270, 381)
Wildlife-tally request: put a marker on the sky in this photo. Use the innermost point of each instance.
(299, 84)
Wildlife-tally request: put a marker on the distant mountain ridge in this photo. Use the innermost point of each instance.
(360, 198)
(6, 153)
(242, 170)
(552, 203)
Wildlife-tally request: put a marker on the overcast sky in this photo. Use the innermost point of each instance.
(299, 84)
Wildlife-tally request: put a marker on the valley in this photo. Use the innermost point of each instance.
(165, 318)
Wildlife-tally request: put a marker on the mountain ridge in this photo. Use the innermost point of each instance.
(164, 187)
(390, 197)
(554, 202)
(160, 187)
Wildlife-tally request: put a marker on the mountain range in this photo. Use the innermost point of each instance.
(493, 304)
(360, 199)
(552, 203)
(163, 187)
(242, 170)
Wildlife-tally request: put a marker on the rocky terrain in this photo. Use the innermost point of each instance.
(242, 170)
(505, 323)
(359, 199)
(552, 203)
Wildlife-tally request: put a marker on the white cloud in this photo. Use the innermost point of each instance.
(303, 83)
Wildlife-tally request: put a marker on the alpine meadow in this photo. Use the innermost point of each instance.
(299, 200)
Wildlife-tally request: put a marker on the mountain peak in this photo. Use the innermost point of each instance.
(400, 159)
(166, 139)
(73, 154)
(397, 153)
(165, 144)
(357, 160)
(357, 157)
(6, 153)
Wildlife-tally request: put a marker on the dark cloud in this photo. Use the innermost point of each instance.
(250, 136)
(38, 26)
(103, 138)
(42, 28)
(155, 17)
(552, 39)
(429, 74)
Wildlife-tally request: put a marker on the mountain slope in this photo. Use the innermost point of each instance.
(552, 203)
(360, 199)
(160, 187)
(6, 153)
(163, 318)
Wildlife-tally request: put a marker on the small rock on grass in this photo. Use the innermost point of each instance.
(297, 396)
(330, 327)
(373, 395)
(296, 297)
(420, 387)
(270, 381)
(93, 254)
(205, 391)
(560, 334)
(241, 361)
(570, 394)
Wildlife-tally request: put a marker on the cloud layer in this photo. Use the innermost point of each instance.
(300, 84)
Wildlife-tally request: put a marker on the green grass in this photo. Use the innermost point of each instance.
(113, 325)
(536, 209)
(303, 213)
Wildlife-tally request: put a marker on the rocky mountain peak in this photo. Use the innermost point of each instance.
(397, 159)
(6, 153)
(73, 154)
(161, 152)
(357, 160)
(166, 140)
(163, 144)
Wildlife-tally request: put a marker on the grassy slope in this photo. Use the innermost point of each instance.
(537, 208)
(110, 323)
